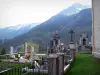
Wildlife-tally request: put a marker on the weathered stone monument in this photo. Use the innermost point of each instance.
(61, 63)
(72, 46)
(71, 32)
(53, 64)
(56, 64)
(55, 57)
(25, 47)
(54, 43)
(62, 48)
(12, 51)
(84, 40)
(84, 46)
(32, 55)
(76, 45)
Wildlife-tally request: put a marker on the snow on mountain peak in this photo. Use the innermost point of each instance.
(73, 9)
(20, 26)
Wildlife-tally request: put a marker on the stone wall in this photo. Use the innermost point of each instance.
(96, 28)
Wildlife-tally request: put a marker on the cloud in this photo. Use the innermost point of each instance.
(14, 12)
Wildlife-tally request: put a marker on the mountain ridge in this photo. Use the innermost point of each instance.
(73, 9)
(41, 34)
(13, 31)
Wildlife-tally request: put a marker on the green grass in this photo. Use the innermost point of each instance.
(85, 64)
(16, 68)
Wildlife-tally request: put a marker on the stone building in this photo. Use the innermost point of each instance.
(84, 46)
(96, 28)
(84, 40)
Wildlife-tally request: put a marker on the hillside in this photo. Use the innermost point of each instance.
(13, 31)
(36, 47)
(41, 34)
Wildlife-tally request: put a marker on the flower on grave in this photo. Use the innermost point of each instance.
(27, 55)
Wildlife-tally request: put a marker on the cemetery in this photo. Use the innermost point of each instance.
(57, 59)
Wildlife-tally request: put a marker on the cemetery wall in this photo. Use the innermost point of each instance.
(96, 28)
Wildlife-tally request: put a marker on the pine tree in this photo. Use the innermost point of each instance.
(3, 51)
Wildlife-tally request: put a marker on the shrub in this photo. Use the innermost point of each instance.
(65, 62)
(27, 56)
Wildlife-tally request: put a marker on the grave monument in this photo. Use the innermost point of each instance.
(84, 46)
(12, 51)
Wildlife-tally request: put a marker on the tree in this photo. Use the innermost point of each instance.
(3, 51)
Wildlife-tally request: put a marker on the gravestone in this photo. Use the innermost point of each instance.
(11, 51)
(72, 47)
(61, 63)
(55, 57)
(53, 64)
(33, 54)
(47, 52)
(54, 43)
(62, 48)
(25, 47)
(76, 47)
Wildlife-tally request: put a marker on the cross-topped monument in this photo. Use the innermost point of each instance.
(71, 34)
(54, 42)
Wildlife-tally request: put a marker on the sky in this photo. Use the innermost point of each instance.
(14, 12)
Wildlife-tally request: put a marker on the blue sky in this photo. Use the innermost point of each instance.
(13, 12)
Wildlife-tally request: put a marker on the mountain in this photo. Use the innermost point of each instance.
(41, 34)
(13, 31)
(74, 9)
